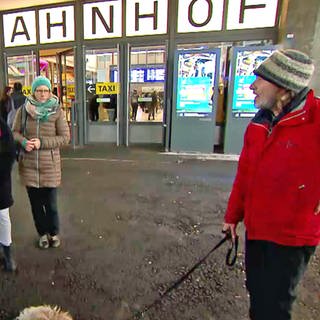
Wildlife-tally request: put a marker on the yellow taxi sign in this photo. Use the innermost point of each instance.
(26, 90)
(107, 88)
(70, 90)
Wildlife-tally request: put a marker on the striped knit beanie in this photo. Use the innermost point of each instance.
(289, 69)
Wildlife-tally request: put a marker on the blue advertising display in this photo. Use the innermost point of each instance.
(141, 75)
(194, 95)
(243, 97)
(147, 75)
(195, 85)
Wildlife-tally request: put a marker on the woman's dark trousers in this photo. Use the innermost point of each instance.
(44, 210)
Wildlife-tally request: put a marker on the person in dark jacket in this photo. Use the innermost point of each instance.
(276, 190)
(7, 157)
(134, 104)
(153, 105)
(17, 96)
(5, 103)
(18, 99)
(94, 108)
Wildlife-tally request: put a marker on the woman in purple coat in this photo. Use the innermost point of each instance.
(7, 156)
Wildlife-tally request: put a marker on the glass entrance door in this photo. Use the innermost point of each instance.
(58, 66)
(55, 64)
(147, 74)
(21, 68)
(102, 94)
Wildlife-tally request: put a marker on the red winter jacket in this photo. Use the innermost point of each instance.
(277, 186)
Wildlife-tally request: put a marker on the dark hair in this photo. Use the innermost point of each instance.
(17, 86)
(5, 93)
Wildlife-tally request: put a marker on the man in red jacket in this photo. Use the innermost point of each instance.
(276, 190)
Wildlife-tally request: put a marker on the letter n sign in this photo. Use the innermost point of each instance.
(102, 19)
(200, 15)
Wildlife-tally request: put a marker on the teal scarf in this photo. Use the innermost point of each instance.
(44, 109)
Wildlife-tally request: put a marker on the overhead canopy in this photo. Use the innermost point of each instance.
(14, 72)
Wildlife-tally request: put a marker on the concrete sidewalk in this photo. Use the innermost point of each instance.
(110, 151)
(132, 221)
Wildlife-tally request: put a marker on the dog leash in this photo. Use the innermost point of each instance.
(231, 258)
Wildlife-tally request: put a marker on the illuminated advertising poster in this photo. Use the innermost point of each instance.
(147, 75)
(243, 97)
(196, 73)
(142, 75)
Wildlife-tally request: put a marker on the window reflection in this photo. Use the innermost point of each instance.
(101, 93)
(147, 78)
(21, 69)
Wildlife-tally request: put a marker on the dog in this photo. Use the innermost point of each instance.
(44, 312)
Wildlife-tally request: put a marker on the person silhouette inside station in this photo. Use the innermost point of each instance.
(134, 104)
(94, 108)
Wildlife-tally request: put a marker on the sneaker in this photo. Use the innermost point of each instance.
(44, 242)
(55, 241)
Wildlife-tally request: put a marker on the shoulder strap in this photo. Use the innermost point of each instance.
(12, 104)
(24, 115)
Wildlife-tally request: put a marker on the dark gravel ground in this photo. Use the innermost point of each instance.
(132, 224)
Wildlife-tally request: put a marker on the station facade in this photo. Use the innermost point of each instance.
(173, 73)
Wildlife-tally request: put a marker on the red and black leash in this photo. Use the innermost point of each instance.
(231, 258)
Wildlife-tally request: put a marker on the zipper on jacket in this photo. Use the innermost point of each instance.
(249, 200)
(37, 156)
(284, 120)
(269, 130)
(293, 117)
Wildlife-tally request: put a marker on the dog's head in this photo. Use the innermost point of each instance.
(43, 313)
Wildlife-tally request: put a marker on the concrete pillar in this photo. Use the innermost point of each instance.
(300, 29)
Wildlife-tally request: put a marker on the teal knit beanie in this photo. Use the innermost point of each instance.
(40, 81)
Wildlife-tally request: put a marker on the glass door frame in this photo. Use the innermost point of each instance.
(57, 65)
(152, 44)
(70, 110)
(117, 122)
(62, 68)
(34, 64)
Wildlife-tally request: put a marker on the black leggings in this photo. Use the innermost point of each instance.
(44, 210)
(273, 272)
